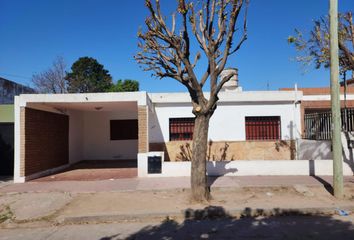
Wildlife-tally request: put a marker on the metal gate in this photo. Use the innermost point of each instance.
(318, 125)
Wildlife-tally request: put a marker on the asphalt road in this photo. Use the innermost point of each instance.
(286, 227)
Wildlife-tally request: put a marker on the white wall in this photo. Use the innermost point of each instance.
(313, 149)
(17, 147)
(258, 168)
(159, 119)
(76, 123)
(321, 150)
(228, 121)
(246, 168)
(96, 136)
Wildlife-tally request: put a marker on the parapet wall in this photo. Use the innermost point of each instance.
(229, 150)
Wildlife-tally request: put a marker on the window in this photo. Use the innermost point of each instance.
(263, 128)
(181, 129)
(124, 129)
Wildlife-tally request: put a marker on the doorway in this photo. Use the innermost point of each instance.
(6, 149)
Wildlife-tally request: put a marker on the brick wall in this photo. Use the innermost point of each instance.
(44, 140)
(142, 126)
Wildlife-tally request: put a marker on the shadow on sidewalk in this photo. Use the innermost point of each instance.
(214, 222)
(325, 184)
(217, 170)
(312, 173)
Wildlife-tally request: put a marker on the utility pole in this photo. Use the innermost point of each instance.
(335, 101)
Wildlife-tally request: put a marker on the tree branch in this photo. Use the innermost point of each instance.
(347, 53)
(168, 54)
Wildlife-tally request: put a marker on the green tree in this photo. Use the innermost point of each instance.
(315, 48)
(173, 52)
(88, 75)
(126, 85)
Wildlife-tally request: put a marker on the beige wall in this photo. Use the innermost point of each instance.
(240, 150)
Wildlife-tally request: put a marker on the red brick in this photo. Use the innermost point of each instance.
(45, 140)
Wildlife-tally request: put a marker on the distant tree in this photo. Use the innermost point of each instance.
(88, 75)
(126, 85)
(51, 80)
(315, 48)
(172, 52)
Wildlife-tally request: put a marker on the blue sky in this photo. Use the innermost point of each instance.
(33, 33)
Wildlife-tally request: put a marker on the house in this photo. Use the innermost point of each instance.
(8, 90)
(317, 101)
(316, 123)
(246, 125)
(54, 131)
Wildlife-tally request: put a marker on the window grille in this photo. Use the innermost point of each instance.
(181, 129)
(263, 128)
(318, 124)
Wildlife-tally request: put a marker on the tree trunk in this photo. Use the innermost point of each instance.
(200, 190)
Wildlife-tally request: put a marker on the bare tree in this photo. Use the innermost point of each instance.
(168, 53)
(51, 80)
(315, 48)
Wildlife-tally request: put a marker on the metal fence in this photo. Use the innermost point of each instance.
(318, 125)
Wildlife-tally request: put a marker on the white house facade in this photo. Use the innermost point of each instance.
(257, 131)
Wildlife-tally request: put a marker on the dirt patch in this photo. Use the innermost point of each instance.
(143, 203)
(279, 197)
(53, 207)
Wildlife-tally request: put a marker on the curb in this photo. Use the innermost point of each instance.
(211, 212)
(117, 218)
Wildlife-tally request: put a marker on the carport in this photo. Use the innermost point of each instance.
(93, 136)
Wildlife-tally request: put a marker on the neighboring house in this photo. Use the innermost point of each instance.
(317, 101)
(56, 130)
(316, 123)
(8, 90)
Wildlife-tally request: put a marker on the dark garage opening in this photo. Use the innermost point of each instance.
(6, 149)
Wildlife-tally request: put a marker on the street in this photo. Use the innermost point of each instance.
(286, 227)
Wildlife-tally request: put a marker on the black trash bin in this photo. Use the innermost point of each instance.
(154, 164)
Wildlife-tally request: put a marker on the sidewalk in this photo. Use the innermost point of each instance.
(142, 184)
(146, 199)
